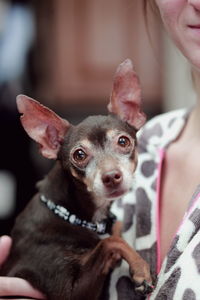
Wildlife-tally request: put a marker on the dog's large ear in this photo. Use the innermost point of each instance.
(42, 125)
(125, 98)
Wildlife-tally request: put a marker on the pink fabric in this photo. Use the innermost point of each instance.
(158, 192)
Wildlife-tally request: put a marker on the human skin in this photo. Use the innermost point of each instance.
(14, 286)
(182, 21)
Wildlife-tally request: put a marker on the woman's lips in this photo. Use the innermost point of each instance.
(194, 26)
(194, 30)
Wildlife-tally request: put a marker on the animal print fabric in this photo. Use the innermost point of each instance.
(179, 275)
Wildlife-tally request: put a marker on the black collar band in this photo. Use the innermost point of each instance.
(105, 226)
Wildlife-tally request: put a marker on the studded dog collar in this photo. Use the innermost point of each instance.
(102, 227)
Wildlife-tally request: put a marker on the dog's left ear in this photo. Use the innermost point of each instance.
(125, 98)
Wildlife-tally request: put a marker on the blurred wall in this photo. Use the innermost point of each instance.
(18, 171)
(81, 43)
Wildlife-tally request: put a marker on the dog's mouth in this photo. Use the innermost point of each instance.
(116, 193)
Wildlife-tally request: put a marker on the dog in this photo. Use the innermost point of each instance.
(57, 244)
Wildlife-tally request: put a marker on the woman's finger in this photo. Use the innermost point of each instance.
(5, 245)
(20, 287)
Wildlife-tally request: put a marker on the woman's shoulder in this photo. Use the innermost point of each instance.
(161, 129)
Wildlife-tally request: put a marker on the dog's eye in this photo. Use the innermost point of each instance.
(79, 155)
(124, 141)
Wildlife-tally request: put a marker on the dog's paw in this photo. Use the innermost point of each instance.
(141, 278)
(144, 288)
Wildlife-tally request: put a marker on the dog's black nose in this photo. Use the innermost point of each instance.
(112, 178)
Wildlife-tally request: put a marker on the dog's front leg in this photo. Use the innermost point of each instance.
(97, 264)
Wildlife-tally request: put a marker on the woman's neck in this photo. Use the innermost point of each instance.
(192, 129)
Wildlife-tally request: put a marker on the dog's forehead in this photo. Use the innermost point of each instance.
(95, 129)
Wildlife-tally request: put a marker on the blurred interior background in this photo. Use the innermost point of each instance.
(64, 53)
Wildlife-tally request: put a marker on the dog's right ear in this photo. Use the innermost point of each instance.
(42, 125)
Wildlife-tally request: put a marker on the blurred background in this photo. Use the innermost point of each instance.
(64, 53)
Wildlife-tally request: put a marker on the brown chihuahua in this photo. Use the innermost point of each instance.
(56, 239)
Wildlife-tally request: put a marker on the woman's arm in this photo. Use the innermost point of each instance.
(12, 286)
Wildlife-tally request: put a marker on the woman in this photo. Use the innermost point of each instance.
(162, 217)
(165, 220)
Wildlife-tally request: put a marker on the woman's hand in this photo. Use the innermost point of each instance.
(12, 286)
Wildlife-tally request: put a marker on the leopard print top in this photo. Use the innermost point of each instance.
(179, 275)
